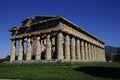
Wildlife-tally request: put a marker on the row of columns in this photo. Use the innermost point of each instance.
(71, 48)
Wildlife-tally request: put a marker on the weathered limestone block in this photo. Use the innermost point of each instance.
(28, 50)
(67, 48)
(13, 51)
(73, 57)
(78, 49)
(38, 49)
(48, 47)
(20, 50)
(59, 46)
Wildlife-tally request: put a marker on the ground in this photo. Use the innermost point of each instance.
(62, 71)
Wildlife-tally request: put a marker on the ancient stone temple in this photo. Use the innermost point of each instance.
(53, 38)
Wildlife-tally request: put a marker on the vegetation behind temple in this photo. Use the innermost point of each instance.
(112, 53)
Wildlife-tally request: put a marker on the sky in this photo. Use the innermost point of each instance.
(101, 18)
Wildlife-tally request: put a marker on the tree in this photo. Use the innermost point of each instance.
(117, 56)
(109, 56)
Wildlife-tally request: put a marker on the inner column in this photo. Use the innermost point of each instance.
(48, 47)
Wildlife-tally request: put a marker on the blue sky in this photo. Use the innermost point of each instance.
(98, 17)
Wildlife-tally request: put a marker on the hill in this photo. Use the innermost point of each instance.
(111, 49)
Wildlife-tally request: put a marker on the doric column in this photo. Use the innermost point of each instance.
(103, 54)
(92, 52)
(100, 54)
(78, 49)
(48, 47)
(42, 46)
(67, 47)
(38, 49)
(72, 48)
(28, 50)
(97, 53)
(86, 51)
(13, 51)
(82, 50)
(89, 52)
(59, 46)
(20, 50)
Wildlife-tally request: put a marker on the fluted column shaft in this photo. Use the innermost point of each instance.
(59, 46)
(72, 48)
(78, 49)
(48, 47)
(20, 50)
(13, 51)
(103, 55)
(92, 52)
(82, 50)
(95, 53)
(38, 49)
(67, 48)
(86, 51)
(89, 52)
(28, 50)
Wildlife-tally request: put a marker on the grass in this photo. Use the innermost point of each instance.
(62, 71)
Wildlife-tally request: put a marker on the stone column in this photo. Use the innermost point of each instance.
(59, 46)
(78, 49)
(20, 50)
(103, 55)
(67, 47)
(86, 51)
(48, 47)
(96, 53)
(82, 50)
(42, 46)
(38, 49)
(92, 52)
(28, 50)
(72, 52)
(89, 52)
(13, 51)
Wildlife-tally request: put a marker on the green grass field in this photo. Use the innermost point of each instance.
(62, 71)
